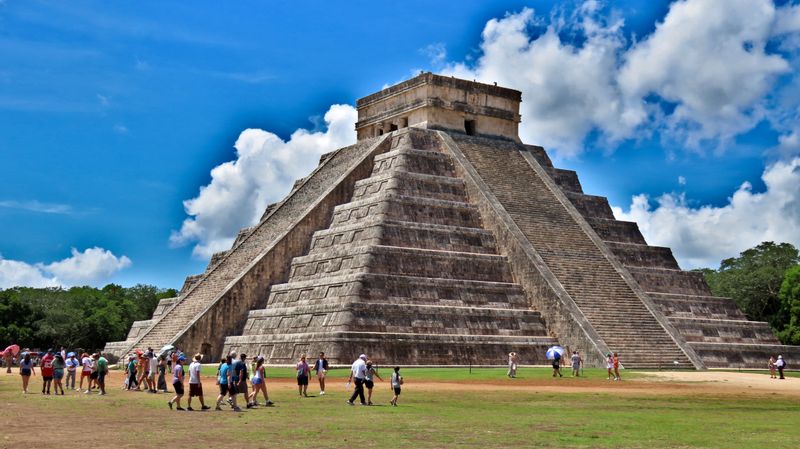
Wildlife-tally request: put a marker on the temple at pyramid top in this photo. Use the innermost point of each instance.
(441, 102)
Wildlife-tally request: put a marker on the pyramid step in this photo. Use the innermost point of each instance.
(661, 280)
(404, 234)
(612, 230)
(724, 331)
(566, 179)
(392, 288)
(396, 318)
(695, 306)
(403, 261)
(411, 184)
(407, 208)
(383, 348)
(638, 255)
(590, 206)
(415, 161)
(743, 355)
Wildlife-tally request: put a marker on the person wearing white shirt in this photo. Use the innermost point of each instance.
(195, 386)
(86, 372)
(153, 369)
(357, 373)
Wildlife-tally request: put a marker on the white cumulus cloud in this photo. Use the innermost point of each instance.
(703, 236)
(91, 266)
(263, 172)
(701, 77)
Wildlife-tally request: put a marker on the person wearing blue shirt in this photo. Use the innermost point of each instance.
(226, 384)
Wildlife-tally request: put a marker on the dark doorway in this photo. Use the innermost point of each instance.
(392, 128)
(469, 127)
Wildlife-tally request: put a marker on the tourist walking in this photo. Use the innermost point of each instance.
(226, 385)
(771, 366)
(609, 365)
(303, 371)
(58, 373)
(130, 372)
(576, 364)
(369, 374)
(616, 366)
(177, 383)
(46, 364)
(86, 371)
(321, 367)
(195, 384)
(357, 373)
(142, 366)
(780, 364)
(397, 381)
(162, 373)
(557, 364)
(26, 370)
(102, 370)
(8, 358)
(152, 363)
(259, 383)
(512, 364)
(72, 370)
(240, 375)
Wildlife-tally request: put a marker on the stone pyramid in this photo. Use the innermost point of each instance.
(440, 239)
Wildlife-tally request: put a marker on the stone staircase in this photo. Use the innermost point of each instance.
(714, 327)
(404, 273)
(618, 314)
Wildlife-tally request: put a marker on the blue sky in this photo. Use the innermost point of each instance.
(113, 114)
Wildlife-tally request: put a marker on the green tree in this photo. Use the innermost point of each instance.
(790, 304)
(754, 280)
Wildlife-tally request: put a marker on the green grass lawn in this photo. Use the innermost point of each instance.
(446, 374)
(430, 418)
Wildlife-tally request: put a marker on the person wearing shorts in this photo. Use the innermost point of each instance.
(303, 371)
(195, 385)
(47, 370)
(86, 371)
(321, 367)
(616, 366)
(397, 381)
(226, 385)
(557, 364)
(177, 383)
(241, 375)
(368, 380)
(26, 369)
(259, 383)
(58, 373)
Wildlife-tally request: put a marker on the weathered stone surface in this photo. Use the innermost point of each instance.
(448, 247)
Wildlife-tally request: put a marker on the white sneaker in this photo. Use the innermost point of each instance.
(322, 393)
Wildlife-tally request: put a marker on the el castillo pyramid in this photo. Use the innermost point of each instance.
(440, 239)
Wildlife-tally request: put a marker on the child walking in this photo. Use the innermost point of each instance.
(397, 381)
(303, 371)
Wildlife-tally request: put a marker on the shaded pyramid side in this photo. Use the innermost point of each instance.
(215, 303)
(404, 272)
(713, 326)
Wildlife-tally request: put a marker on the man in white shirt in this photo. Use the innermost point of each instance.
(151, 372)
(195, 386)
(358, 372)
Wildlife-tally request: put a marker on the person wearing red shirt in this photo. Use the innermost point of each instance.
(47, 370)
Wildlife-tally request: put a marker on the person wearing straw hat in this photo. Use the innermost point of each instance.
(195, 384)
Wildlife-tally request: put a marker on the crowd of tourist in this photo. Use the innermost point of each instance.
(59, 370)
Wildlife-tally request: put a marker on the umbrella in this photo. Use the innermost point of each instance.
(70, 354)
(13, 349)
(166, 349)
(551, 353)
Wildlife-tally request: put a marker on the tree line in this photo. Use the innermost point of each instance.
(78, 317)
(765, 283)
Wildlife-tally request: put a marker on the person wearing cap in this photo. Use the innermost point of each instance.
(177, 383)
(259, 383)
(321, 367)
(46, 364)
(195, 385)
(780, 364)
(102, 370)
(357, 374)
(72, 369)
